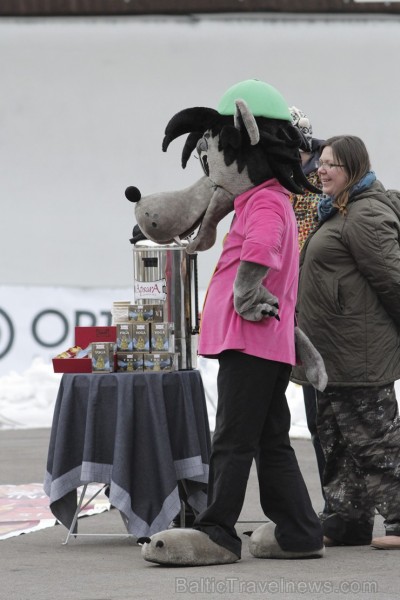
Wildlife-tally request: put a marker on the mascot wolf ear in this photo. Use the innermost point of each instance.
(244, 121)
(245, 117)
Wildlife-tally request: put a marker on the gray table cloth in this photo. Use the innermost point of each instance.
(140, 433)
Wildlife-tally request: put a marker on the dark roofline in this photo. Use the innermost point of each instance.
(50, 8)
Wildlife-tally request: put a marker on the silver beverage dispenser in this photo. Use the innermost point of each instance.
(166, 274)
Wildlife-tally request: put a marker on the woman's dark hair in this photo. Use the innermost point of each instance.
(349, 151)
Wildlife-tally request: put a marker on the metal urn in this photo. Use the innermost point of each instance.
(166, 274)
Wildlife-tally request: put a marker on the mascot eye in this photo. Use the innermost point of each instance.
(204, 164)
(202, 149)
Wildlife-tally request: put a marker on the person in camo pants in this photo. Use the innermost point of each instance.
(359, 430)
(349, 307)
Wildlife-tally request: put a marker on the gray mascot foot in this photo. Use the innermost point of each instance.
(187, 548)
(263, 544)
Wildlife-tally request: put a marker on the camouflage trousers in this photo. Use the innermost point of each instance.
(359, 430)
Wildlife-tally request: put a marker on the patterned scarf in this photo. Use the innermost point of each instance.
(326, 210)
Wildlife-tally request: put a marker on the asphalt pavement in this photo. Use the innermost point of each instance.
(38, 566)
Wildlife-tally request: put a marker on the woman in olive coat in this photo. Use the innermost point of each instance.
(349, 306)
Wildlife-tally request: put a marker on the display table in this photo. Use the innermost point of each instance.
(139, 433)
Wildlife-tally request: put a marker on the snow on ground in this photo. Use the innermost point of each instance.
(27, 399)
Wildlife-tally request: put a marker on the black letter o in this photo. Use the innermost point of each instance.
(50, 311)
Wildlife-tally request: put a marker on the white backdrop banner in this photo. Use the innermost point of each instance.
(39, 321)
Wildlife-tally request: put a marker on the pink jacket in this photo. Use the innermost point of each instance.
(263, 231)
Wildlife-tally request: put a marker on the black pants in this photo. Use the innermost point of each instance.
(310, 405)
(253, 418)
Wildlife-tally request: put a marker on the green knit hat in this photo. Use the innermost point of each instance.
(262, 99)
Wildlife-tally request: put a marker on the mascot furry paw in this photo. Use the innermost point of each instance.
(263, 544)
(185, 548)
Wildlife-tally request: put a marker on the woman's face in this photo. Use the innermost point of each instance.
(332, 175)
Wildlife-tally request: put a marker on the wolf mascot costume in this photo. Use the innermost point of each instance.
(249, 152)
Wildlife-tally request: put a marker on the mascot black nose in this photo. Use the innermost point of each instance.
(133, 194)
(143, 540)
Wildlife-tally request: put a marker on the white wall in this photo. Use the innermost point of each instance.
(84, 103)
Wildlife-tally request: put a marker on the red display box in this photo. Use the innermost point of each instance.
(83, 337)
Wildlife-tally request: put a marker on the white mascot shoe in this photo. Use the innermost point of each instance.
(263, 544)
(186, 548)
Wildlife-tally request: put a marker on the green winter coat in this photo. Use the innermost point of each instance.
(349, 291)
